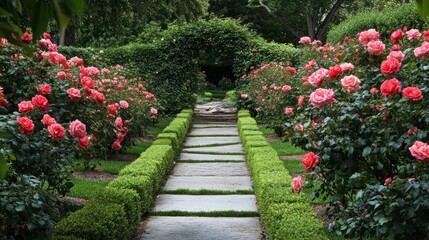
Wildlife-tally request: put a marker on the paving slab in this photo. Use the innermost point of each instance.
(224, 183)
(214, 125)
(211, 169)
(197, 228)
(214, 131)
(201, 141)
(210, 157)
(205, 203)
(235, 148)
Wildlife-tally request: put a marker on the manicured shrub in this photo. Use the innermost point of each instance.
(98, 222)
(179, 126)
(174, 139)
(246, 121)
(186, 115)
(162, 142)
(253, 138)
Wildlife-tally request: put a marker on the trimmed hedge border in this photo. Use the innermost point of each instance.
(285, 215)
(114, 213)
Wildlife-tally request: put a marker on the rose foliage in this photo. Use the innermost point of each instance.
(361, 108)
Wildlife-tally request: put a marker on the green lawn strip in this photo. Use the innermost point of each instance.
(160, 125)
(209, 161)
(294, 166)
(206, 192)
(286, 148)
(86, 188)
(213, 145)
(267, 131)
(207, 214)
(113, 167)
(139, 147)
(213, 153)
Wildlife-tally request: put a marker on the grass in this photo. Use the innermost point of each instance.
(206, 192)
(286, 148)
(207, 214)
(294, 166)
(266, 131)
(86, 188)
(139, 147)
(113, 167)
(160, 125)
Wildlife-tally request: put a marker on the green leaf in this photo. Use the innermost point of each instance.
(5, 13)
(76, 6)
(423, 7)
(366, 151)
(3, 167)
(39, 18)
(19, 208)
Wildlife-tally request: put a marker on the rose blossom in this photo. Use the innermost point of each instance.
(347, 67)
(40, 102)
(243, 96)
(57, 131)
(83, 142)
(76, 60)
(44, 89)
(46, 35)
(87, 82)
(297, 184)
(396, 54)
(350, 82)
(390, 87)
(61, 75)
(310, 161)
(420, 150)
(305, 40)
(289, 111)
(123, 104)
(374, 90)
(74, 94)
(316, 79)
(413, 93)
(113, 109)
(413, 34)
(116, 145)
(335, 71)
(291, 70)
(77, 129)
(387, 181)
(376, 47)
(27, 125)
(48, 120)
(118, 122)
(366, 36)
(321, 97)
(396, 35)
(3, 100)
(390, 66)
(395, 47)
(153, 112)
(286, 88)
(422, 51)
(25, 107)
(26, 38)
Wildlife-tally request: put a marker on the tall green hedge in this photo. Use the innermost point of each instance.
(171, 61)
(385, 22)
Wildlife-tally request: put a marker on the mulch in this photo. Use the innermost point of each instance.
(98, 176)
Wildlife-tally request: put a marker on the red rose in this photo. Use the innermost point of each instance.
(301, 101)
(26, 38)
(413, 93)
(25, 107)
(310, 161)
(116, 145)
(87, 82)
(335, 71)
(297, 184)
(77, 129)
(396, 35)
(74, 94)
(390, 66)
(390, 87)
(46, 35)
(118, 123)
(48, 120)
(27, 125)
(57, 131)
(40, 102)
(84, 142)
(388, 181)
(113, 109)
(44, 89)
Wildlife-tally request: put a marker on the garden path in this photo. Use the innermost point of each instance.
(209, 194)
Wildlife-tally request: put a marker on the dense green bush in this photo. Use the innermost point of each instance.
(285, 215)
(384, 21)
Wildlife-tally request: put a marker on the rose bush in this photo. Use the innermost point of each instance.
(366, 119)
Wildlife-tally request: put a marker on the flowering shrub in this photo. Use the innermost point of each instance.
(366, 122)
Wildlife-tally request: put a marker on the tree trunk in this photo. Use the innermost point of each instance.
(321, 33)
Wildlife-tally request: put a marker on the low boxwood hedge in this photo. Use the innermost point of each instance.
(285, 215)
(116, 210)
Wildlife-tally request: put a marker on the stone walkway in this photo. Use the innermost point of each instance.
(212, 162)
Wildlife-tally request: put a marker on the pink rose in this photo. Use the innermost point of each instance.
(116, 145)
(387, 181)
(25, 107)
(305, 40)
(316, 79)
(48, 120)
(118, 122)
(76, 60)
(289, 111)
(413, 34)
(301, 101)
(46, 35)
(123, 104)
(395, 47)
(26, 38)
(286, 88)
(350, 82)
(390, 87)
(87, 82)
(310, 161)
(40, 102)
(413, 93)
(396, 54)
(113, 109)
(57, 131)
(27, 125)
(396, 35)
(74, 94)
(390, 66)
(422, 51)
(321, 97)
(366, 36)
(44, 89)
(376, 47)
(153, 112)
(374, 90)
(297, 184)
(61, 75)
(77, 129)
(243, 96)
(420, 150)
(291, 70)
(347, 67)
